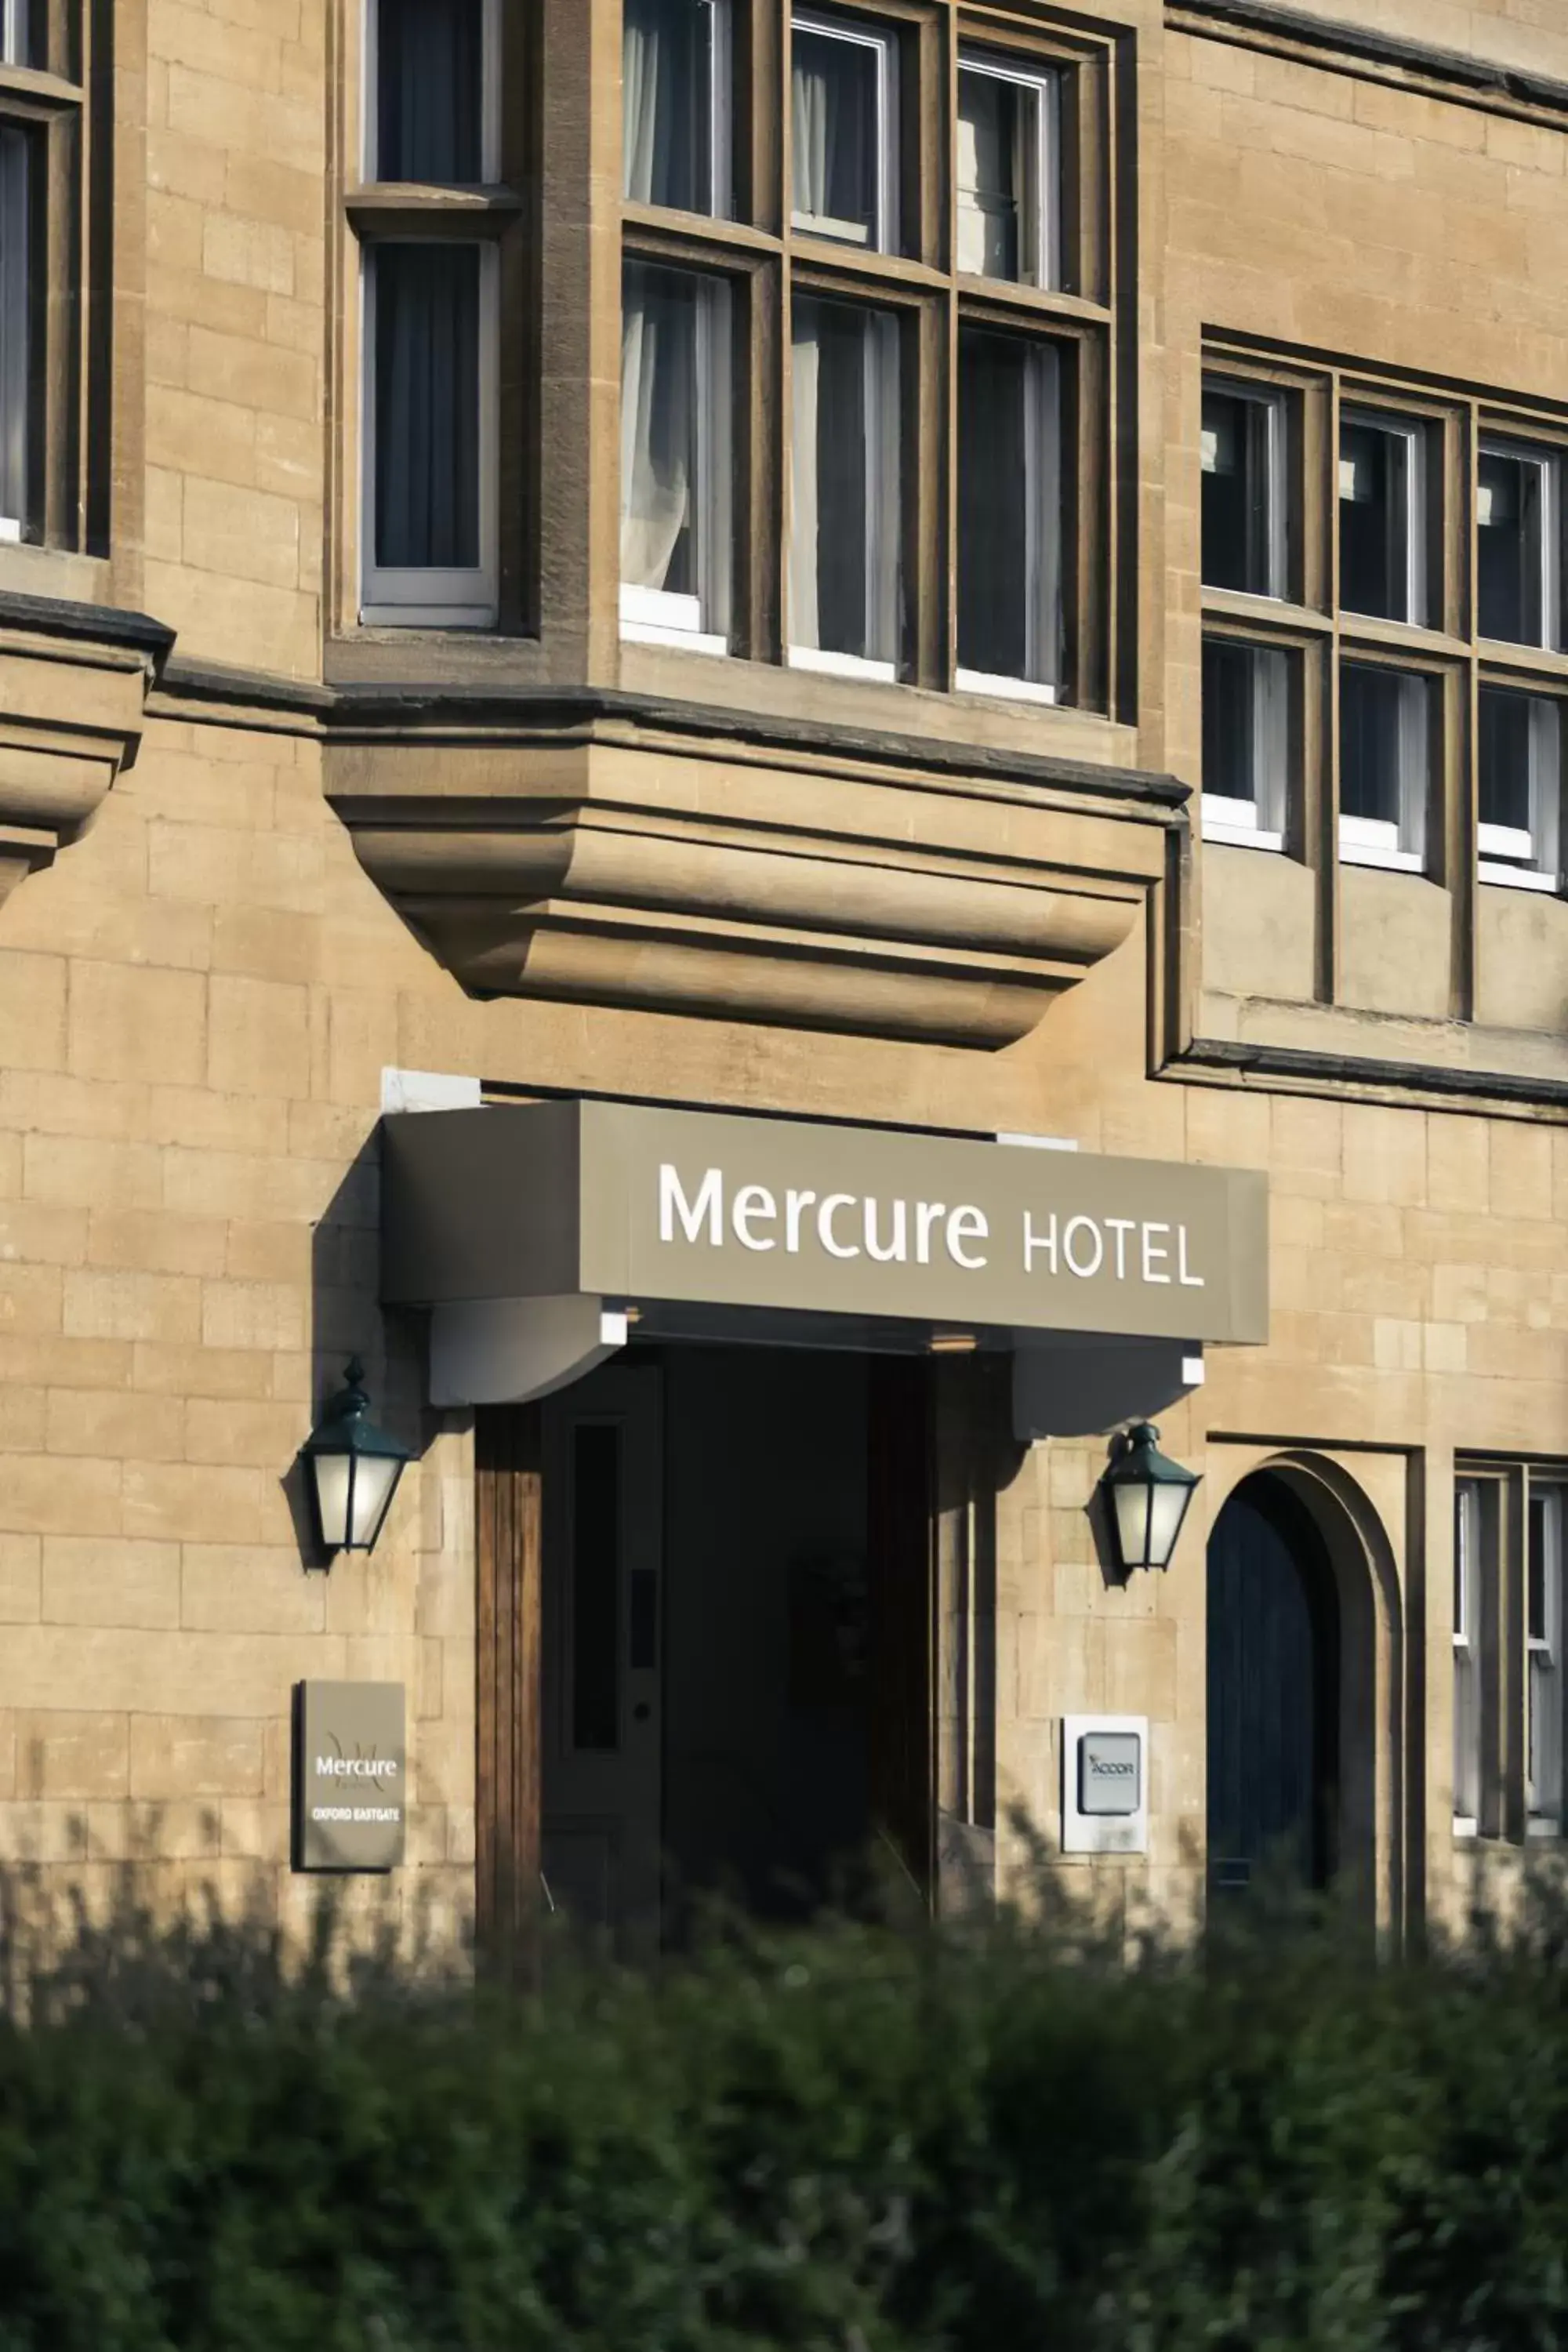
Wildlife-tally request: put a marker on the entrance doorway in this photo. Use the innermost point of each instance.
(733, 1687)
(1273, 1692)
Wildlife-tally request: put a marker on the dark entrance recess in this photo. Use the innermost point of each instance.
(705, 1632)
(1273, 1692)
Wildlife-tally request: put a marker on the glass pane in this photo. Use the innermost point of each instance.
(999, 197)
(667, 103)
(1382, 747)
(426, 405)
(1246, 717)
(15, 32)
(1505, 794)
(836, 135)
(1512, 546)
(660, 455)
(1240, 522)
(1009, 507)
(430, 72)
(843, 481)
(1535, 1582)
(15, 329)
(1379, 520)
(595, 1585)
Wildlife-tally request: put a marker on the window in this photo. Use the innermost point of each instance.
(1244, 493)
(897, 464)
(1521, 787)
(1385, 765)
(1519, 544)
(844, 132)
(674, 100)
(1382, 535)
(1246, 742)
(1008, 174)
(15, 46)
(1009, 513)
(429, 334)
(674, 461)
(1469, 1562)
(844, 489)
(1544, 1661)
(17, 422)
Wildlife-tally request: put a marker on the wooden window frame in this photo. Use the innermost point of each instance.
(1505, 1491)
(765, 258)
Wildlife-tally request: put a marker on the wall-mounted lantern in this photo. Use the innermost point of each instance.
(1148, 1497)
(352, 1468)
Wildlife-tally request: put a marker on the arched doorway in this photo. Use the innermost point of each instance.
(1273, 1691)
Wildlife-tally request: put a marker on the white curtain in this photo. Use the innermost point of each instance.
(644, 39)
(806, 365)
(657, 391)
(813, 112)
(15, 324)
(985, 210)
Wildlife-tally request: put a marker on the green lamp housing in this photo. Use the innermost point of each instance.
(1148, 1495)
(352, 1468)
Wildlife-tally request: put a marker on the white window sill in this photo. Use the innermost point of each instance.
(691, 641)
(1367, 853)
(1242, 836)
(1465, 1826)
(427, 616)
(842, 665)
(838, 232)
(1015, 690)
(1543, 1825)
(1519, 877)
(10, 530)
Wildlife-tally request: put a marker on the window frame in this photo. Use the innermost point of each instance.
(882, 38)
(1236, 823)
(1397, 845)
(1469, 1570)
(699, 623)
(1045, 84)
(1045, 467)
(489, 102)
(1553, 554)
(433, 596)
(1414, 432)
(1273, 399)
(720, 111)
(1508, 856)
(888, 460)
(1544, 1820)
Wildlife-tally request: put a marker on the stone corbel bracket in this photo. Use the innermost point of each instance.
(625, 855)
(74, 680)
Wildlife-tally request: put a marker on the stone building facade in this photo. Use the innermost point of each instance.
(291, 828)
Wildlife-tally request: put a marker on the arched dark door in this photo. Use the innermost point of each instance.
(1273, 1691)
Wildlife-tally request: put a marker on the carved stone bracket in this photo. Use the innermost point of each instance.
(622, 863)
(73, 686)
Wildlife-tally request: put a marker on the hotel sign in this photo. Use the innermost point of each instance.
(350, 1768)
(633, 1203)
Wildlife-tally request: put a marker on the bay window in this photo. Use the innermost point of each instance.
(1009, 514)
(675, 457)
(676, 104)
(1509, 1695)
(1008, 170)
(843, 538)
(1520, 765)
(843, 130)
(1543, 1662)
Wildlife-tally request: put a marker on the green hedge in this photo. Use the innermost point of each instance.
(851, 2141)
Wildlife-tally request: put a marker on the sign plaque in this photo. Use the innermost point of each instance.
(1105, 1784)
(350, 1771)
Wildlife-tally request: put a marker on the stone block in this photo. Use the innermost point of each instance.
(186, 1757)
(129, 1023)
(92, 1580)
(63, 1753)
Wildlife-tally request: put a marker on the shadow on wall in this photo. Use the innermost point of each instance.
(347, 1321)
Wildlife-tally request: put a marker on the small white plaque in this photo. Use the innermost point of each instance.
(1105, 1784)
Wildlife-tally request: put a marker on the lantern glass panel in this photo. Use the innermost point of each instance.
(376, 1476)
(1132, 1522)
(334, 1475)
(1167, 1509)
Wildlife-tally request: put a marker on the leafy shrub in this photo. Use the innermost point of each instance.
(847, 2140)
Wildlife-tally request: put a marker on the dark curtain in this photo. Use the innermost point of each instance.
(426, 407)
(994, 498)
(430, 64)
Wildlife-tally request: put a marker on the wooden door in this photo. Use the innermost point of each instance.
(508, 1480)
(1273, 1691)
